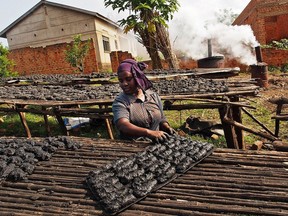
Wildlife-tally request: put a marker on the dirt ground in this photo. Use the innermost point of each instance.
(277, 87)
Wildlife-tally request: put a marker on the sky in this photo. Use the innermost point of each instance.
(189, 30)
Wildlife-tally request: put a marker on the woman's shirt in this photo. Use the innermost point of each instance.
(147, 114)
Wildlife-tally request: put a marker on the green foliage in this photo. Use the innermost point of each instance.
(281, 44)
(6, 64)
(226, 16)
(148, 19)
(76, 53)
(284, 68)
(145, 13)
(273, 68)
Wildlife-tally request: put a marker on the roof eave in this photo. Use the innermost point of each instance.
(3, 33)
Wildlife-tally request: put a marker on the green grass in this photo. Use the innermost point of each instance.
(12, 126)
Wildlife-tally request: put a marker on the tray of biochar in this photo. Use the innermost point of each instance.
(128, 180)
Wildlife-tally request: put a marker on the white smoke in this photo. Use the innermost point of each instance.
(190, 31)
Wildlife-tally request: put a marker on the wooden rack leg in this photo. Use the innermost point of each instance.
(237, 116)
(229, 130)
(277, 121)
(24, 122)
(48, 130)
(60, 121)
(109, 128)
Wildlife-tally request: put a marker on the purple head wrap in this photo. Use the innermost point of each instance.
(137, 69)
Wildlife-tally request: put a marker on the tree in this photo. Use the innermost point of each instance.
(226, 16)
(76, 53)
(149, 23)
(6, 64)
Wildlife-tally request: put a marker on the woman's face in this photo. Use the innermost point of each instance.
(127, 82)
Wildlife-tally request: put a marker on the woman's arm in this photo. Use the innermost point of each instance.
(130, 129)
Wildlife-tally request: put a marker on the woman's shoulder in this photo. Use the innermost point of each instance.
(122, 98)
(151, 92)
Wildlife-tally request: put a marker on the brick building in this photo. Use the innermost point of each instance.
(267, 18)
(38, 38)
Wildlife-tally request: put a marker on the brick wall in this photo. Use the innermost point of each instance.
(275, 57)
(267, 18)
(118, 56)
(270, 56)
(49, 60)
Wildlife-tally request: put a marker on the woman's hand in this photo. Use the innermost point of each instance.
(159, 136)
(166, 127)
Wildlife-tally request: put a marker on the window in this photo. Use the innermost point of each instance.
(106, 44)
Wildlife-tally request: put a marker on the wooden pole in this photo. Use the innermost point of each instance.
(237, 116)
(261, 124)
(259, 133)
(230, 135)
(23, 120)
(48, 130)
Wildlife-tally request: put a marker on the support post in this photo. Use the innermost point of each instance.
(23, 120)
(229, 130)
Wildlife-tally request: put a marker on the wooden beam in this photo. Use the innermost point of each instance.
(229, 132)
(24, 122)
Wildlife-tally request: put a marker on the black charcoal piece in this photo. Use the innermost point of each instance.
(7, 170)
(184, 165)
(4, 157)
(17, 174)
(167, 175)
(152, 168)
(58, 144)
(9, 151)
(50, 148)
(111, 206)
(28, 167)
(127, 199)
(165, 154)
(41, 154)
(29, 157)
(3, 164)
(144, 188)
(16, 160)
(20, 151)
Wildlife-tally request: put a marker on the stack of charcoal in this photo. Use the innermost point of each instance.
(55, 78)
(190, 86)
(169, 71)
(18, 156)
(127, 180)
(58, 92)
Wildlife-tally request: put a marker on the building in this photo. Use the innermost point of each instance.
(38, 38)
(267, 18)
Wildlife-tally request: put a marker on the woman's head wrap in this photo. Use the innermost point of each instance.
(137, 70)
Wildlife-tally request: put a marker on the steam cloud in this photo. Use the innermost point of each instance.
(190, 31)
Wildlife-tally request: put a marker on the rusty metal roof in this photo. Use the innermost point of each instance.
(233, 182)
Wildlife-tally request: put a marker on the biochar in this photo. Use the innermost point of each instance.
(81, 92)
(18, 156)
(127, 180)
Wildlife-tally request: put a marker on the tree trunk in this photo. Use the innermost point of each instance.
(151, 46)
(165, 46)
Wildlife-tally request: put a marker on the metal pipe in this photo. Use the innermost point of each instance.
(209, 48)
(258, 52)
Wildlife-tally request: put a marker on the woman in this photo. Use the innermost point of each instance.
(138, 111)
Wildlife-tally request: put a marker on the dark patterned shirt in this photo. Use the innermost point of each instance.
(147, 114)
